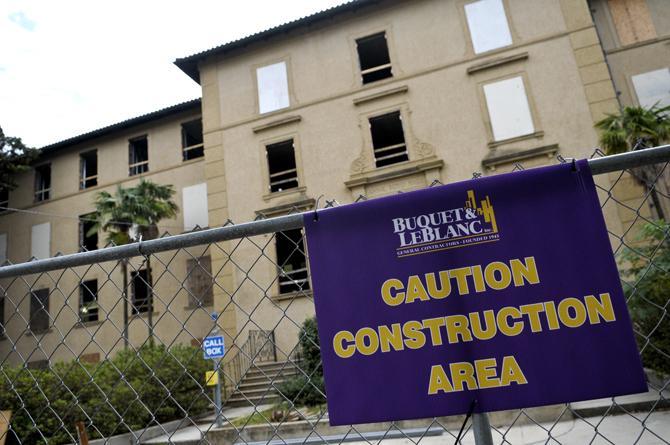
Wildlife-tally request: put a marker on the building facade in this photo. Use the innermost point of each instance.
(365, 99)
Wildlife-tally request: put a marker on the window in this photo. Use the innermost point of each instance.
(138, 161)
(88, 236)
(488, 25)
(88, 169)
(2, 317)
(42, 182)
(3, 248)
(272, 87)
(373, 55)
(199, 281)
(508, 109)
(653, 88)
(4, 199)
(195, 206)
(291, 262)
(142, 295)
(388, 139)
(39, 310)
(191, 140)
(281, 166)
(40, 241)
(88, 301)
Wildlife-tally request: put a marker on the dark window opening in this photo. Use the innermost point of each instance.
(4, 199)
(88, 301)
(88, 169)
(141, 292)
(42, 182)
(291, 262)
(138, 161)
(88, 235)
(200, 282)
(281, 165)
(191, 140)
(373, 55)
(38, 364)
(388, 139)
(39, 310)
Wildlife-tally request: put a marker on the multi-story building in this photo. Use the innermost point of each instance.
(368, 98)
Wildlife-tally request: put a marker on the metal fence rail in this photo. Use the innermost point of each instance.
(72, 368)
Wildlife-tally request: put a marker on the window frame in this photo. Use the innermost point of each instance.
(42, 194)
(633, 87)
(186, 149)
(43, 308)
(396, 110)
(283, 172)
(136, 310)
(265, 167)
(537, 131)
(468, 33)
(83, 286)
(204, 263)
(289, 85)
(142, 166)
(82, 233)
(279, 268)
(83, 180)
(378, 68)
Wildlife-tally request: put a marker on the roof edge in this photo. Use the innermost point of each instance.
(189, 64)
(122, 125)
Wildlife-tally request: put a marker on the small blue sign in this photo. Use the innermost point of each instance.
(213, 347)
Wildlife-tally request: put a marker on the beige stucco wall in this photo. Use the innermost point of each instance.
(174, 322)
(446, 125)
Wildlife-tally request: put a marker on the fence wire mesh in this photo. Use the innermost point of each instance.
(111, 352)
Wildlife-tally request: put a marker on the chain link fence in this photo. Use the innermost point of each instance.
(106, 346)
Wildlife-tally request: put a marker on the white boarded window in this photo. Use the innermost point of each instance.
(272, 87)
(508, 109)
(488, 25)
(3, 249)
(40, 241)
(653, 88)
(195, 206)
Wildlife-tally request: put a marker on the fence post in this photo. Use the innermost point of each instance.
(482, 429)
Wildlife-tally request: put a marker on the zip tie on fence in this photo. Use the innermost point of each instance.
(467, 416)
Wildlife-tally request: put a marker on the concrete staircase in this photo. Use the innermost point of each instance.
(259, 383)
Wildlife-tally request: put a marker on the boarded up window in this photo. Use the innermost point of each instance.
(40, 241)
(488, 25)
(653, 88)
(194, 199)
(2, 317)
(93, 357)
(200, 282)
(272, 87)
(508, 109)
(39, 310)
(3, 248)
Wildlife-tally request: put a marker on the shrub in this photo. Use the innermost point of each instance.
(307, 389)
(648, 293)
(130, 391)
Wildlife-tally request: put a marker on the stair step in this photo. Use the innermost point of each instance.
(269, 375)
(269, 399)
(245, 385)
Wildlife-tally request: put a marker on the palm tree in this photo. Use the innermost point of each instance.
(635, 128)
(135, 209)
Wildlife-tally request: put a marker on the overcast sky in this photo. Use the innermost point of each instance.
(70, 66)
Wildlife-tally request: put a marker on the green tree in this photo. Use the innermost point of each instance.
(635, 128)
(647, 287)
(15, 158)
(308, 388)
(140, 207)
